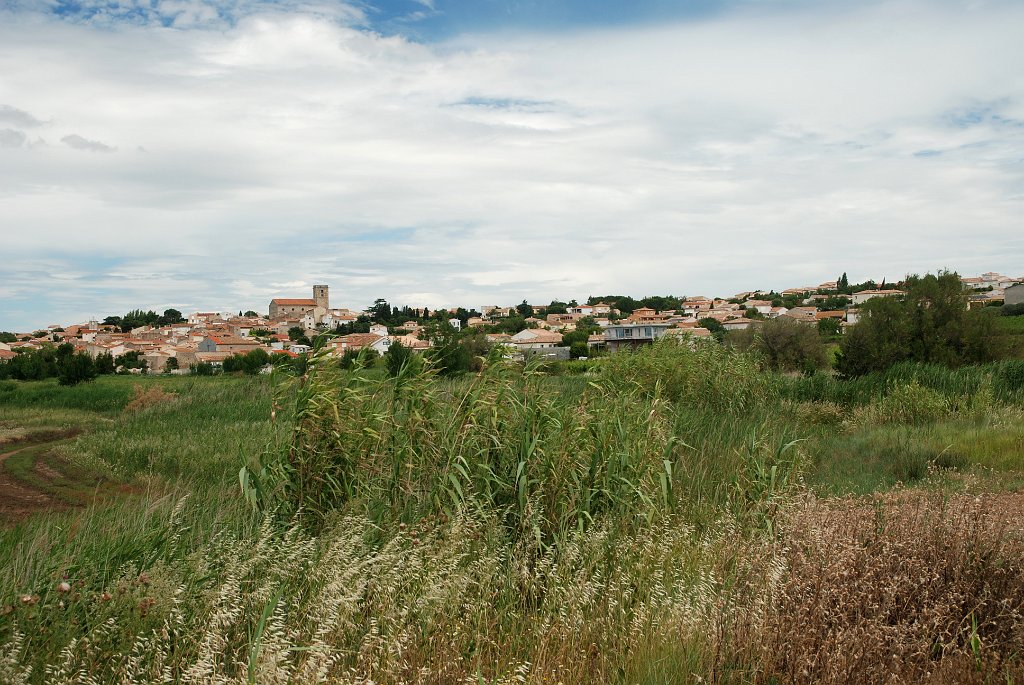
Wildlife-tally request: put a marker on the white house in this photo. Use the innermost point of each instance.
(737, 324)
(536, 338)
(865, 295)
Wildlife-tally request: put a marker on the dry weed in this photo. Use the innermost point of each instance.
(914, 588)
(151, 397)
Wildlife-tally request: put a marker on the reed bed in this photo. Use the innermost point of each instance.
(652, 520)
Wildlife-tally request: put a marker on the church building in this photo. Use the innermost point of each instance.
(317, 306)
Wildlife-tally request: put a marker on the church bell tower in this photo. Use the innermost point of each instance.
(320, 297)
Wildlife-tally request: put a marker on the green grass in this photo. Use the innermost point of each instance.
(68, 482)
(601, 526)
(1011, 324)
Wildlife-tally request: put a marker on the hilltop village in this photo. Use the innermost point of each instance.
(175, 343)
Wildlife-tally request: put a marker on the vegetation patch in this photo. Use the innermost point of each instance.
(661, 516)
(149, 397)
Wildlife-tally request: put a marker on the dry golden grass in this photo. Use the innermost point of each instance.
(909, 588)
(150, 397)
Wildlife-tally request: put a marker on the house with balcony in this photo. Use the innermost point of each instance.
(633, 334)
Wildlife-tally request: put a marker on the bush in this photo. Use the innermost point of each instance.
(784, 345)
(151, 397)
(250, 363)
(706, 376)
(202, 369)
(1012, 309)
(1008, 379)
(906, 404)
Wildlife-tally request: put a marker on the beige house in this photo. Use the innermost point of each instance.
(227, 343)
(803, 314)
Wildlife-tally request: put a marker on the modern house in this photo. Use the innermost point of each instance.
(627, 335)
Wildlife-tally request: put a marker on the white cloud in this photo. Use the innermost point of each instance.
(751, 150)
(10, 137)
(17, 117)
(79, 143)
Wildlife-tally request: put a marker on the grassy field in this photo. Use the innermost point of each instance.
(672, 516)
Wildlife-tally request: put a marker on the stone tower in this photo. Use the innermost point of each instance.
(320, 297)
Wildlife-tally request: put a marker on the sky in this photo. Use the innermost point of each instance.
(213, 154)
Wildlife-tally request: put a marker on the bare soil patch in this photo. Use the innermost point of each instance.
(19, 499)
(42, 481)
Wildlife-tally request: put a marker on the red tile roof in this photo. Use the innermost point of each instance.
(294, 302)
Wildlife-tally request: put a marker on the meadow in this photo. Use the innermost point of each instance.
(672, 516)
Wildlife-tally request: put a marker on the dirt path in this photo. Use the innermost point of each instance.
(19, 499)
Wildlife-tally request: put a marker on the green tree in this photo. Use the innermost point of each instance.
(65, 350)
(524, 309)
(132, 359)
(380, 311)
(396, 358)
(448, 354)
(829, 327)
(715, 326)
(171, 364)
(33, 365)
(931, 323)
(170, 316)
(833, 303)
(75, 368)
(251, 314)
(556, 307)
(256, 360)
(105, 364)
(349, 359)
(7, 337)
(250, 363)
(843, 284)
(297, 335)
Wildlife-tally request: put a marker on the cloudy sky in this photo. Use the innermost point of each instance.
(212, 154)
